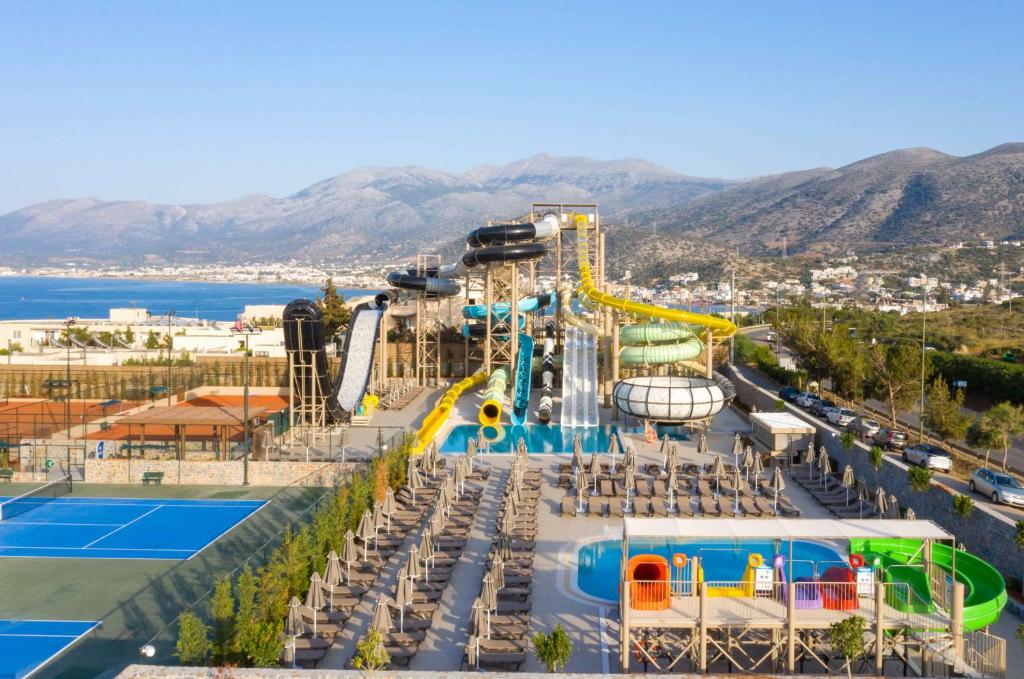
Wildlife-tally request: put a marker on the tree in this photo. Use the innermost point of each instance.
(129, 335)
(554, 649)
(222, 608)
(193, 641)
(963, 505)
(847, 637)
(896, 376)
(152, 341)
(1018, 536)
(978, 436)
(245, 590)
(848, 440)
(1005, 421)
(920, 478)
(332, 305)
(944, 411)
(370, 653)
(261, 643)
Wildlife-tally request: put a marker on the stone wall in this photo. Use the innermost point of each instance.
(987, 533)
(200, 472)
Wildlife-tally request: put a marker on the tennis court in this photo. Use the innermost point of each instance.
(47, 523)
(27, 645)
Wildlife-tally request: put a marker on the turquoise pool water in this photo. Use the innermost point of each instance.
(540, 438)
(597, 573)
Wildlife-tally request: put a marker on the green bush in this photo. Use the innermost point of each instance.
(193, 645)
(920, 478)
(553, 650)
(847, 637)
(261, 643)
(370, 653)
(998, 380)
(1018, 536)
(223, 612)
(963, 505)
(875, 456)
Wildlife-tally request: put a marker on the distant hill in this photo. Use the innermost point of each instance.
(904, 197)
(910, 196)
(369, 211)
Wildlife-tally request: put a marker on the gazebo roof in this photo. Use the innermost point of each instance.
(193, 416)
(797, 529)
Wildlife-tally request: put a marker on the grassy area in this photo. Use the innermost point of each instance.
(137, 599)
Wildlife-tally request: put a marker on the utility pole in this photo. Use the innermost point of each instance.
(69, 323)
(732, 315)
(924, 315)
(246, 330)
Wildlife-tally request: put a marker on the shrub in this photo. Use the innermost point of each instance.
(193, 640)
(261, 643)
(848, 440)
(780, 405)
(920, 478)
(370, 653)
(847, 637)
(963, 505)
(223, 611)
(875, 456)
(1018, 536)
(554, 649)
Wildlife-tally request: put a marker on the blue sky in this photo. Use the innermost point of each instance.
(197, 102)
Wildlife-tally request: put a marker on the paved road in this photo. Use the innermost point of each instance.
(1016, 453)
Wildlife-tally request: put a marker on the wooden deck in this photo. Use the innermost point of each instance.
(768, 613)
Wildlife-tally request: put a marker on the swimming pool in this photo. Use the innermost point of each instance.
(540, 438)
(598, 563)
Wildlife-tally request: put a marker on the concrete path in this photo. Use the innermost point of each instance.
(446, 640)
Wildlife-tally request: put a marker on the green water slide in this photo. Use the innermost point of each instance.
(985, 590)
(658, 343)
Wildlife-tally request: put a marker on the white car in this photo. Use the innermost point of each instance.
(864, 427)
(927, 455)
(840, 416)
(805, 399)
(998, 486)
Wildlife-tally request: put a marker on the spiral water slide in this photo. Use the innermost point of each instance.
(489, 244)
(672, 336)
(304, 334)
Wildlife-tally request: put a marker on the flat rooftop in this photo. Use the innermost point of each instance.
(210, 416)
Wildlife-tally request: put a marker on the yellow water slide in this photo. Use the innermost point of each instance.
(588, 292)
(439, 415)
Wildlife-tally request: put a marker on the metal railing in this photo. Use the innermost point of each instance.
(985, 653)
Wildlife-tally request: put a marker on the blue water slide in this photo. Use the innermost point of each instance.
(524, 370)
(500, 311)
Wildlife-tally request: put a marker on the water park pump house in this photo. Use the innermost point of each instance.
(697, 591)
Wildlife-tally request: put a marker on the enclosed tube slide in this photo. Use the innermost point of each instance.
(524, 375)
(500, 315)
(494, 397)
(547, 373)
(658, 343)
(439, 415)
(304, 333)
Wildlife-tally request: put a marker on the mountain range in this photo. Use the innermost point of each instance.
(909, 196)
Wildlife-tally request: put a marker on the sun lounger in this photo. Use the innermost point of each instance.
(568, 506)
(749, 507)
(765, 505)
(683, 507)
(786, 508)
(607, 488)
(660, 488)
(726, 505)
(598, 506)
(615, 507)
(512, 607)
(658, 507)
(641, 506)
(709, 507)
(307, 657)
(704, 488)
(405, 638)
(643, 487)
(507, 661)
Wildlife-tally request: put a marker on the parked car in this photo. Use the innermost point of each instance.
(805, 399)
(769, 337)
(820, 408)
(927, 455)
(789, 394)
(890, 439)
(1000, 487)
(863, 427)
(840, 417)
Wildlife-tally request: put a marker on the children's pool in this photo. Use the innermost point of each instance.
(597, 572)
(540, 438)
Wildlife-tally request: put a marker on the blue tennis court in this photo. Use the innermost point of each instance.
(27, 645)
(120, 528)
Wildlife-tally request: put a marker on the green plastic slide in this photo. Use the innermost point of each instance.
(985, 590)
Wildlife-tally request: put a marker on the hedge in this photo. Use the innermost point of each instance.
(998, 380)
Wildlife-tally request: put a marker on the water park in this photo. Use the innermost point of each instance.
(555, 453)
(660, 513)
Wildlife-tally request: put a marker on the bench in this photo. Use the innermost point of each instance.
(152, 477)
(6, 475)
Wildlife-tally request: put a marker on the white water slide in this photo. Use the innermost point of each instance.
(359, 346)
(579, 379)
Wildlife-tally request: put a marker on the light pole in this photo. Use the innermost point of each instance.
(69, 323)
(170, 348)
(924, 315)
(246, 330)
